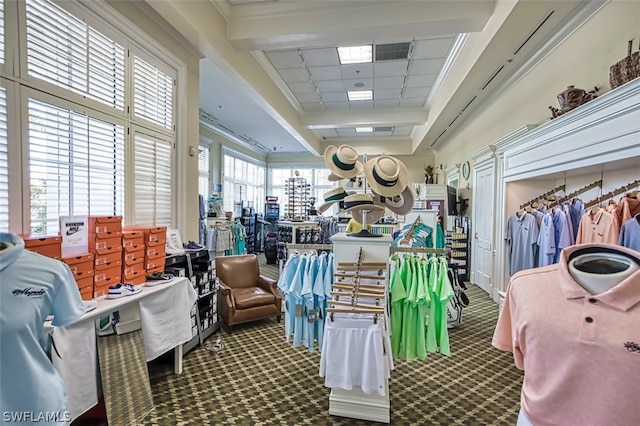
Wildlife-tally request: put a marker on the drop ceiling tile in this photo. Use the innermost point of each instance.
(326, 73)
(351, 84)
(285, 59)
(347, 131)
(390, 68)
(337, 105)
(425, 66)
(294, 75)
(321, 57)
(331, 86)
(304, 87)
(379, 94)
(402, 130)
(356, 71)
(329, 133)
(386, 103)
(307, 97)
(361, 104)
(416, 92)
(388, 82)
(420, 80)
(434, 48)
(313, 106)
(383, 133)
(412, 102)
(334, 96)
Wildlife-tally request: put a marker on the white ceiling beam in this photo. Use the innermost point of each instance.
(280, 25)
(356, 117)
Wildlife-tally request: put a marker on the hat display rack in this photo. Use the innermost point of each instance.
(387, 178)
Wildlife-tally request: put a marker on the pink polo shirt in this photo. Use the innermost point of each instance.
(580, 352)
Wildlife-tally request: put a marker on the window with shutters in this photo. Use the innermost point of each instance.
(63, 50)
(243, 182)
(97, 104)
(153, 93)
(76, 165)
(4, 164)
(204, 170)
(153, 183)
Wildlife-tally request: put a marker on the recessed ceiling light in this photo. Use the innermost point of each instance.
(355, 54)
(364, 129)
(360, 95)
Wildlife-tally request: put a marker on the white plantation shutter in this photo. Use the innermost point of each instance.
(65, 51)
(153, 94)
(203, 169)
(4, 171)
(153, 189)
(76, 165)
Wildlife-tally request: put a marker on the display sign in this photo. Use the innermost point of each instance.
(75, 235)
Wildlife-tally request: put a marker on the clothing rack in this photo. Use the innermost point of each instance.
(417, 250)
(615, 192)
(596, 184)
(545, 195)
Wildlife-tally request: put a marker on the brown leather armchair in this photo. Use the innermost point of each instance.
(244, 294)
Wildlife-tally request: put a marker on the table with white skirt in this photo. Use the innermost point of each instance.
(165, 317)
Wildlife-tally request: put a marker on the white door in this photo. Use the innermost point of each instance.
(483, 228)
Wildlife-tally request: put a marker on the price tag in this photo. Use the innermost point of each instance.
(312, 316)
(298, 310)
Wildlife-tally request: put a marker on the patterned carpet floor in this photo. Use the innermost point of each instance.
(259, 379)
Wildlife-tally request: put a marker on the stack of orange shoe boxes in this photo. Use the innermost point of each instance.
(133, 251)
(46, 246)
(83, 272)
(105, 241)
(155, 240)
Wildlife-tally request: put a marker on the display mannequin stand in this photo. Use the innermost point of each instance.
(364, 233)
(354, 403)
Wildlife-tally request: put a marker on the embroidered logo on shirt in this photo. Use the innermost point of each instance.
(29, 292)
(632, 347)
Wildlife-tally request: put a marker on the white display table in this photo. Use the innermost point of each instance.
(165, 316)
(355, 403)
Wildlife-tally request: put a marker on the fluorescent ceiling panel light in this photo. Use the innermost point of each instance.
(355, 54)
(364, 129)
(360, 95)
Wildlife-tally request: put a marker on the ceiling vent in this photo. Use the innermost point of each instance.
(226, 129)
(384, 129)
(467, 105)
(492, 77)
(392, 51)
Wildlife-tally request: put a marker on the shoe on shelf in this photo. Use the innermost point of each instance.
(123, 289)
(158, 278)
(193, 246)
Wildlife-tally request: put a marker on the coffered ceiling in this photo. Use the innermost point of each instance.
(433, 65)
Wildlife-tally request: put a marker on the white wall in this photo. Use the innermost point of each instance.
(583, 60)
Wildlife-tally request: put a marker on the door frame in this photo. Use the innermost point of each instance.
(483, 160)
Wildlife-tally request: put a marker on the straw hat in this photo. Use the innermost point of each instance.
(399, 204)
(333, 178)
(331, 197)
(361, 206)
(386, 175)
(342, 161)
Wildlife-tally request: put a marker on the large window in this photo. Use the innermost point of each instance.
(97, 100)
(204, 171)
(243, 184)
(317, 177)
(76, 166)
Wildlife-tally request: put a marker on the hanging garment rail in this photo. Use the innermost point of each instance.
(596, 184)
(417, 250)
(346, 266)
(545, 195)
(615, 192)
(367, 277)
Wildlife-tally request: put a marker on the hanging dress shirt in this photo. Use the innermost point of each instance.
(546, 241)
